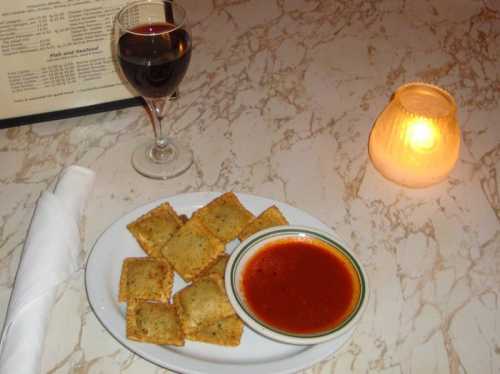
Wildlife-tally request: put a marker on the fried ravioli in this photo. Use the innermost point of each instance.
(270, 217)
(155, 228)
(192, 249)
(145, 278)
(202, 303)
(156, 323)
(224, 216)
(226, 331)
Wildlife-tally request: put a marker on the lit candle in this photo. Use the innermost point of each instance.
(422, 135)
(416, 140)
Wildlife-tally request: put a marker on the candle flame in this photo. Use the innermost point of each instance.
(422, 135)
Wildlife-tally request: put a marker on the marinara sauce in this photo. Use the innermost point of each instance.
(300, 286)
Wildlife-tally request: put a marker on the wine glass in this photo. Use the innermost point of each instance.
(153, 46)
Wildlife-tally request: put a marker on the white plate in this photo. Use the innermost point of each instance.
(255, 354)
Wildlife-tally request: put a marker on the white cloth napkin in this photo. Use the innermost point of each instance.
(50, 256)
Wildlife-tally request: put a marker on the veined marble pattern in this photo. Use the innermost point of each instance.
(278, 102)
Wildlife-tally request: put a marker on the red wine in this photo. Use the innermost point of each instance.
(155, 63)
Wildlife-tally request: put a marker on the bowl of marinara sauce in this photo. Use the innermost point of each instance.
(296, 284)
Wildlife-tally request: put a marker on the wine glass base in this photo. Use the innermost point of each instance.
(179, 159)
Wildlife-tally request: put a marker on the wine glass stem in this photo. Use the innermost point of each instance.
(162, 150)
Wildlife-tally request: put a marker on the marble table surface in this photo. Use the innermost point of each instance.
(278, 102)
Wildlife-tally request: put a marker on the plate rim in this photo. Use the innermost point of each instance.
(319, 352)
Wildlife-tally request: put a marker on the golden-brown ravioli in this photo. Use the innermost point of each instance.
(218, 267)
(192, 249)
(155, 228)
(226, 331)
(224, 216)
(145, 278)
(202, 302)
(152, 322)
(270, 217)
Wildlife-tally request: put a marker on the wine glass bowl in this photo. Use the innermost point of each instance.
(153, 49)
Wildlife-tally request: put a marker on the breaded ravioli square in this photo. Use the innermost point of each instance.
(152, 322)
(155, 228)
(192, 249)
(145, 278)
(218, 267)
(201, 303)
(270, 217)
(224, 216)
(226, 331)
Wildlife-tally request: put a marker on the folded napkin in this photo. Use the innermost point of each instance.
(50, 256)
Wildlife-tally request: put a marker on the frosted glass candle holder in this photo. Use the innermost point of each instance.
(416, 139)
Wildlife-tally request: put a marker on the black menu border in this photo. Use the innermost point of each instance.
(68, 113)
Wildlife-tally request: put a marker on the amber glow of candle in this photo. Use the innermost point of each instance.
(422, 135)
(416, 140)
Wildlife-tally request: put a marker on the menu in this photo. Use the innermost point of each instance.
(57, 61)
